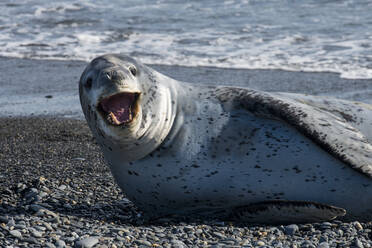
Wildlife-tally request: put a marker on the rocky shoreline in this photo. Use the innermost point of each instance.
(56, 191)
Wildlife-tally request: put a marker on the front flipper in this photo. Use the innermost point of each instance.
(281, 212)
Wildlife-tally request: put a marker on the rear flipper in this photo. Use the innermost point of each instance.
(281, 212)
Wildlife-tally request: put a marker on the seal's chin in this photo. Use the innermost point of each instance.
(119, 109)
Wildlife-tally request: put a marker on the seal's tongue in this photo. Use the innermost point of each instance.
(118, 107)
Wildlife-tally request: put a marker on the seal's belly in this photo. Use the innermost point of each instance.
(249, 160)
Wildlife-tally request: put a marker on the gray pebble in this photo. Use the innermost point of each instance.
(87, 242)
(40, 228)
(11, 222)
(357, 243)
(43, 194)
(143, 242)
(67, 205)
(4, 219)
(219, 235)
(323, 239)
(35, 207)
(307, 244)
(50, 245)
(21, 186)
(32, 192)
(36, 234)
(48, 226)
(60, 244)
(20, 226)
(30, 240)
(16, 234)
(62, 187)
(326, 225)
(188, 228)
(291, 229)
(178, 244)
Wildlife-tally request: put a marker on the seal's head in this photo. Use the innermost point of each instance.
(127, 105)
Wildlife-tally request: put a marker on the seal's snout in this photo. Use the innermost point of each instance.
(114, 75)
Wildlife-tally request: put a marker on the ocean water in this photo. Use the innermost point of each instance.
(312, 35)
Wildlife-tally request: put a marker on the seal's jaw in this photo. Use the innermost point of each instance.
(119, 109)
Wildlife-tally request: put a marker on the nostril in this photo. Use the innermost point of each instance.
(114, 75)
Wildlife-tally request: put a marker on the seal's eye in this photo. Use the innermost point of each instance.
(133, 70)
(88, 83)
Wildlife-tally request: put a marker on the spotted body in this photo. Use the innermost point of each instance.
(224, 151)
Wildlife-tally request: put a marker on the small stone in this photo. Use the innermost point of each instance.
(87, 242)
(31, 193)
(178, 244)
(48, 226)
(291, 229)
(323, 245)
(67, 206)
(11, 223)
(143, 242)
(60, 244)
(21, 186)
(30, 240)
(40, 228)
(326, 225)
(358, 243)
(323, 239)
(260, 243)
(358, 226)
(79, 159)
(275, 230)
(50, 245)
(307, 244)
(35, 207)
(36, 234)
(3, 219)
(62, 187)
(43, 194)
(188, 228)
(15, 233)
(246, 242)
(219, 235)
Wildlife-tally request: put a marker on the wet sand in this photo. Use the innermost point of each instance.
(50, 87)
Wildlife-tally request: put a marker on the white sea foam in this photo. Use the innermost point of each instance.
(236, 34)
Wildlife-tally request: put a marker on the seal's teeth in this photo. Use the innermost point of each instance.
(112, 119)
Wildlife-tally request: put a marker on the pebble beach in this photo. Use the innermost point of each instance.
(56, 190)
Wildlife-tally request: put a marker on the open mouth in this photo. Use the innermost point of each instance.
(120, 108)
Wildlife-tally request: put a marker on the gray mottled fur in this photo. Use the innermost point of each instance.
(218, 150)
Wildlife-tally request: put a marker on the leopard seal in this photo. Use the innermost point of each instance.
(176, 148)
